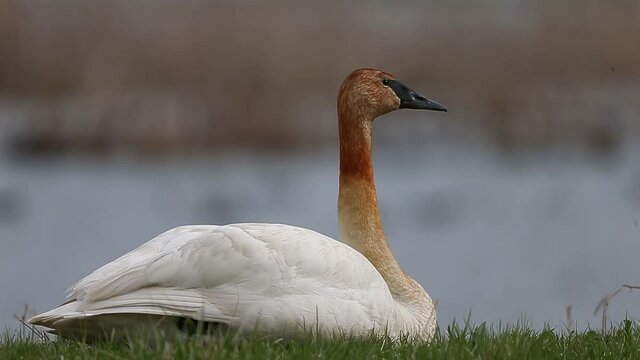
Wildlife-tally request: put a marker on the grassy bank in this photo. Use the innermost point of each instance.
(481, 342)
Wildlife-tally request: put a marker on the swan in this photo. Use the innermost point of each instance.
(270, 279)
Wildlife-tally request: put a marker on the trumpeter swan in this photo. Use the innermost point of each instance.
(270, 278)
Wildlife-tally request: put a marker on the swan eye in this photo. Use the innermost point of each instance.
(385, 82)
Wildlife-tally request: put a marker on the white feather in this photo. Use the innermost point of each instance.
(268, 278)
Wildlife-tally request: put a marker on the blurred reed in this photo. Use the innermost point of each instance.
(157, 76)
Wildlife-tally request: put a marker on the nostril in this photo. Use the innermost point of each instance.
(418, 97)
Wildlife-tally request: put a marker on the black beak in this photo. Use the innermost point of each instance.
(410, 99)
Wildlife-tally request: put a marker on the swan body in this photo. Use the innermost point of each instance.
(266, 278)
(269, 278)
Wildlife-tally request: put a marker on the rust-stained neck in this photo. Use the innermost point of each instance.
(359, 216)
(355, 146)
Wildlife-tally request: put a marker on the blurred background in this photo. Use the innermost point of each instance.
(122, 119)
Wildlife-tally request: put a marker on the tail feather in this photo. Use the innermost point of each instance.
(144, 307)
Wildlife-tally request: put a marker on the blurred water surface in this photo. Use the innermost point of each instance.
(499, 238)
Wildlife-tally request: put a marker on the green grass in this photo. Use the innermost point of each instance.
(480, 342)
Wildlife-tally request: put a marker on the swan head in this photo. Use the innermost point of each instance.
(374, 92)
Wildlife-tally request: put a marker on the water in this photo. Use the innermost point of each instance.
(495, 239)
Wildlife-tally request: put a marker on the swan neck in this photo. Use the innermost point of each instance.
(359, 215)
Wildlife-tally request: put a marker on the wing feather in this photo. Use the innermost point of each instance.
(244, 275)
